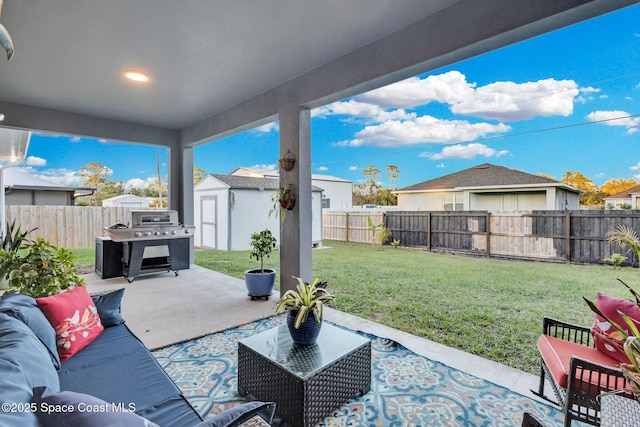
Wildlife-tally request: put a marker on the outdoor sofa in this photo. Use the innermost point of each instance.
(580, 363)
(112, 381)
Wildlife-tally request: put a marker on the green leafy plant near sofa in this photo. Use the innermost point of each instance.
(39, 269)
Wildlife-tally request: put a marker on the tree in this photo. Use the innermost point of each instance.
(95, 175)
(617, 185)
(198, 174)
(393, 172)
(578, 180)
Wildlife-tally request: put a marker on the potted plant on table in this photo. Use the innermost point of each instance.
(260, 281)
(306, 299)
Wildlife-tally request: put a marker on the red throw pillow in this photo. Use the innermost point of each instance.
(607, 338)
(75, 318)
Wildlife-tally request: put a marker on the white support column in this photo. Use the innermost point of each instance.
(295, 232)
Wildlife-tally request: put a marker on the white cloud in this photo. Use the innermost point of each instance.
(262, 167)
(636, 167)
(616, 118)
(61, 176)
(468, 151)
(273, 126)
(440, 165)
(449, 88)
(423, 129)
(511, 101)
(364, 110)
(35, 161)
(353, 168)
(322, 169)
(508, 101)
(141, 183)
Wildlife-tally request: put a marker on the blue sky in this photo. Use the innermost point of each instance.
(564, 101)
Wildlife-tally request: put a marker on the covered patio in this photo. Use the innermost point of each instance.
(217, 68)
(162, 309)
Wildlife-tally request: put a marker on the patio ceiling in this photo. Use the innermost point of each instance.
(207, 57)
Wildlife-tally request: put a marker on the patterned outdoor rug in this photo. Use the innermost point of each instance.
(406, 389)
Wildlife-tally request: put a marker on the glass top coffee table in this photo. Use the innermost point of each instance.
(305, 382)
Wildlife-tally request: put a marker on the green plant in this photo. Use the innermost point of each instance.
(626, 237)
(308, 297)
(283, 200)
(615, 259)
(262, 244)
(378, 230)
(13, 237)
(40, 270)
(395, 243)
(632, 341)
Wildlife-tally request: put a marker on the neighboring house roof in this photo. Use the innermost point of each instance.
(626, 194)
(251, 183)
(16, 179)
(485, 175)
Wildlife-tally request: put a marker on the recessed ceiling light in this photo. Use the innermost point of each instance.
(136, 76)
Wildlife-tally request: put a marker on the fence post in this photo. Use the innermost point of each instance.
(568, 236)
(488, 233)
(346, 231)
(429, 231)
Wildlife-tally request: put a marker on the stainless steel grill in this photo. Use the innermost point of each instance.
(152, 241)
(148, 225)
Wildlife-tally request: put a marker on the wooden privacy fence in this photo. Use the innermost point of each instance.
(559, 236)
(348, 226)
(66, 226)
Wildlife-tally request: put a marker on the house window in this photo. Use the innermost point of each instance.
(326, 203)
(453, 202)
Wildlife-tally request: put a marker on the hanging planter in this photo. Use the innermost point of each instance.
(287, 161)
(283, 200)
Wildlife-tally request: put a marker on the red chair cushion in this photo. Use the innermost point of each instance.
(557, 354)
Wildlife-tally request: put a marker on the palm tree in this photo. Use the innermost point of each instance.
(626, 237)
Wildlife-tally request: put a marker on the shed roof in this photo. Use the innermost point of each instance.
(484, 175)
(251, 183)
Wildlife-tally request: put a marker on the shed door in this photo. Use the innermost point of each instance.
(208, 222)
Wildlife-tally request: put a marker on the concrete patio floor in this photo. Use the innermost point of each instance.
(162, 309)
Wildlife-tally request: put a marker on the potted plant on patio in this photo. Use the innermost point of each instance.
(39, 269)
(305, 299)
(10, 242)
(260, 281)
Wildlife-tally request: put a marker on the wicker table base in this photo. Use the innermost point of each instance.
(305, 382)
(618, 411)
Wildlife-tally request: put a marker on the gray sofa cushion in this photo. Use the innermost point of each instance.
(82, 410)
(26, 309)
(25, 363)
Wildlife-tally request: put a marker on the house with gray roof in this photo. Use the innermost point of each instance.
(629, 199)
(22, 188)
(229, 208)
(488, 187)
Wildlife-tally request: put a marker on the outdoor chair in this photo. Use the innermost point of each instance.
(576, 370)
(529, 420)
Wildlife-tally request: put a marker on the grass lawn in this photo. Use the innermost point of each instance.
(492, 308)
